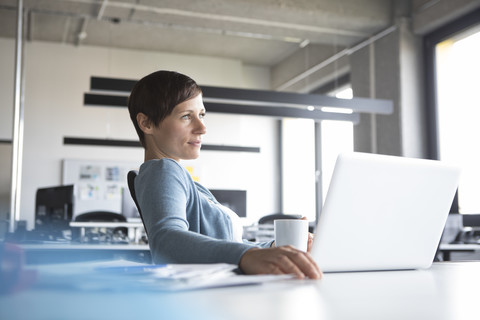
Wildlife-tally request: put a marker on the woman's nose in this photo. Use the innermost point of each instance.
(200, 126)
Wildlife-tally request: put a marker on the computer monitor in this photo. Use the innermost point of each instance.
(471, 220)
(233, 199)
(54, 208)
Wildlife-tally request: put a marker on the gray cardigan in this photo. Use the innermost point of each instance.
(183, 221)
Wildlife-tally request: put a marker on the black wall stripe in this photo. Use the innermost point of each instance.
(211, 147)
(136, 144)
(93, 99)
(5, 141)
(101, 142)
(109, 84)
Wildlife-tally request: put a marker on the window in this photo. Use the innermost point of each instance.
(299, 147)
(298, 154)
(457, 67)
(337, 137)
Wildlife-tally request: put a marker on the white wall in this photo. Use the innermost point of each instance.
(57, 76)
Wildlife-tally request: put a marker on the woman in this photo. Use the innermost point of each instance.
(185, 224)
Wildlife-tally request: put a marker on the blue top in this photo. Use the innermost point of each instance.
(184, 222)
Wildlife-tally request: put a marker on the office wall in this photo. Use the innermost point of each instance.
(57, 76)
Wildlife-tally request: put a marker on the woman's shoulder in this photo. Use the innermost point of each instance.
(160, 164)
(165, 167)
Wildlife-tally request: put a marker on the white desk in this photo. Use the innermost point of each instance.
(82, 246)
(71, 252)
(448, 290)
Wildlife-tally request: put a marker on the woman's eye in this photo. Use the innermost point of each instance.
(202, 115)
(186, 117)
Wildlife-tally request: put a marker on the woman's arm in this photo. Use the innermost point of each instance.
(163, 193)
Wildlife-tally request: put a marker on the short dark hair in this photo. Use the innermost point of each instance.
(157, 94)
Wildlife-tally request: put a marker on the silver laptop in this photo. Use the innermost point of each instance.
(383, 213)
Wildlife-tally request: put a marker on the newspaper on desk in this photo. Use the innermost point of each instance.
(126, 275)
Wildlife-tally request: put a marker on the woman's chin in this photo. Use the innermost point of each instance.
(191, 156)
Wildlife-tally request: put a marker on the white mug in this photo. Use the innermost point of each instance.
(292, 232)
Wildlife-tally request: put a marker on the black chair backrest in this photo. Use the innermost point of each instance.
(271, 217)
(100, 216)
(132, 174)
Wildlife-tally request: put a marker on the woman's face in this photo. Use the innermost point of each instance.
(179, 135)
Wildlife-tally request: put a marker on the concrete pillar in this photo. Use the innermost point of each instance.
(390, 68)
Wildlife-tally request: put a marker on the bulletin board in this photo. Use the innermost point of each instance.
(99, 185)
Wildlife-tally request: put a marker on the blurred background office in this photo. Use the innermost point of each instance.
(419, 54)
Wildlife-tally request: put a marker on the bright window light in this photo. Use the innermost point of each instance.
(345, 93)
(337, 137)
(299, 167)
(336, 110)
(457, 67)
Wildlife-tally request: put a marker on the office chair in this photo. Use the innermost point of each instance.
(101, 235)
(268, 219)
(100, 216)
(132, 174)
(265, 226)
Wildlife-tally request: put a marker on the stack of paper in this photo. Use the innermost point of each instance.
(124, 275)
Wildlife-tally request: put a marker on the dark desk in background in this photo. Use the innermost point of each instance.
(447, 249)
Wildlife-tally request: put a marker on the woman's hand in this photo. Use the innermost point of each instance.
(310, 238)
(310, 242)
(280, 260)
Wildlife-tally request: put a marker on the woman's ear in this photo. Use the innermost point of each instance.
(144, 123)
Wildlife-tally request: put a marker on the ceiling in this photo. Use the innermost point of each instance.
(294, 38)
(258, 32)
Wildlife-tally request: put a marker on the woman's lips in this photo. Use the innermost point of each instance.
(197, 143)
